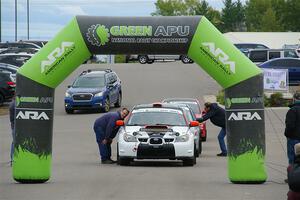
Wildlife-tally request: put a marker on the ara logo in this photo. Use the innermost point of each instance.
(244, 116)
(35, 115)
(220, 55)
(57, 56)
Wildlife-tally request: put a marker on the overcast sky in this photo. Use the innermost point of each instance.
(47, 17)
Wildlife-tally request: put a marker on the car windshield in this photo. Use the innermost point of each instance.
(193, 105)
(89, 82)
(156, 116)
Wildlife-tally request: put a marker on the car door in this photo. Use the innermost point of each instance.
(112, 87)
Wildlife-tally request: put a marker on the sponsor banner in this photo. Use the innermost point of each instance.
(276, 79)
(58, 58)
(219, 57)
(146, 35)
(243, 115)
(33, 114)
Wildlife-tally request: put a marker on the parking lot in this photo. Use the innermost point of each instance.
(78, 175)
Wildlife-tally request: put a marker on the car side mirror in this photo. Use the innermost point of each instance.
(194, 123)
(69, 86)
(120, 123)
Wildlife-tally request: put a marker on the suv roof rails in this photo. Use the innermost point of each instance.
(93, 70)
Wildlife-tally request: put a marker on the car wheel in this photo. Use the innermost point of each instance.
(69, 111)
(150, 61)
(119, 101)
(185, 59)
(143, 59)
(124, 161)
(203, 139)
(106, 106)
(188, 161)
(2, 99)
(200, 147)
(195, 154)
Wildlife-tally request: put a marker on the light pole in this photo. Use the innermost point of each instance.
(0, 22)
(16, 21)
(27, 19)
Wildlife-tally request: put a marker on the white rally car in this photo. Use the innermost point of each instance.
(157, 131)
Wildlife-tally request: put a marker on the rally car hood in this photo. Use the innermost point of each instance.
(179, 129)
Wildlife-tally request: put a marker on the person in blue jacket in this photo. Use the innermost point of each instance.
(12, 118)
(216, 114)
(105, 129)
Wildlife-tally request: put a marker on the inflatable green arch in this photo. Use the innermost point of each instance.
(194, 36)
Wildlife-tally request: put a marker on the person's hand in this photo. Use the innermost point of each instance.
(104, 141)
(109, 141)
(200, 119)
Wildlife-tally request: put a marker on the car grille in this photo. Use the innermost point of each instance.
(82, 97)
(143, 139)
(156, 141)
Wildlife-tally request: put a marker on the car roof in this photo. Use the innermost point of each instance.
(274, 59)
(181, 99)
(158, 105)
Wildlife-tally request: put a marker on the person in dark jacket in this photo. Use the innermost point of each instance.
(292, 127)
(216, 114)
(12, 118)
(105, 129)
(294, 176)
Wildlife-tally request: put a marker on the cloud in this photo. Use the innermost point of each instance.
(71, 10)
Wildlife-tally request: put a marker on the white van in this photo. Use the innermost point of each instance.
(261, 55)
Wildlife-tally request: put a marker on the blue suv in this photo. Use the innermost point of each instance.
(94, 90)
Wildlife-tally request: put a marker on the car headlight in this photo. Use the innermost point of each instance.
(68, 94)
(129, 138)
(100, 94)
(182, 138)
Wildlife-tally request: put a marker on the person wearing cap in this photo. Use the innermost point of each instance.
(294, 176)
(105, 129)
(216, 114)
(292, 127)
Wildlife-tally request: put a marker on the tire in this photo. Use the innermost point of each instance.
(106, 106)
(143, 59)
(195, 155)
(197, 151)
(150, 61)
(200, 147)
(119, 101)
(2, 99)
(69, 111)
(188, 161)
(185, 59)
(124, 161)
(203, 139)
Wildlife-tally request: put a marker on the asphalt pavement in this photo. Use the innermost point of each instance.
(78, 175)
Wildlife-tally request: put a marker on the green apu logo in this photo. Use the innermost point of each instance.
(43, 100)
(99, 35)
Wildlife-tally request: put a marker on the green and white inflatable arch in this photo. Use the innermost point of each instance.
(194, 36)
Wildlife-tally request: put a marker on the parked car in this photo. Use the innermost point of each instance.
(195, 106)
(261, 55)
(20, 51)
(15, 59)
(245, 47)
(10, 45)
(11, 68)
(94, 89)
(292, 46)
(39, 43)
(7, 86)
(143, 59)
(292, 64)
(156, 131)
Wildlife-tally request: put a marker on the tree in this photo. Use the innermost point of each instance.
(233, 16)
(269, 23)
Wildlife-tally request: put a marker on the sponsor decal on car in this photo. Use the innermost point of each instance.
(99, 34)
(248, 116)
(57, 56)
